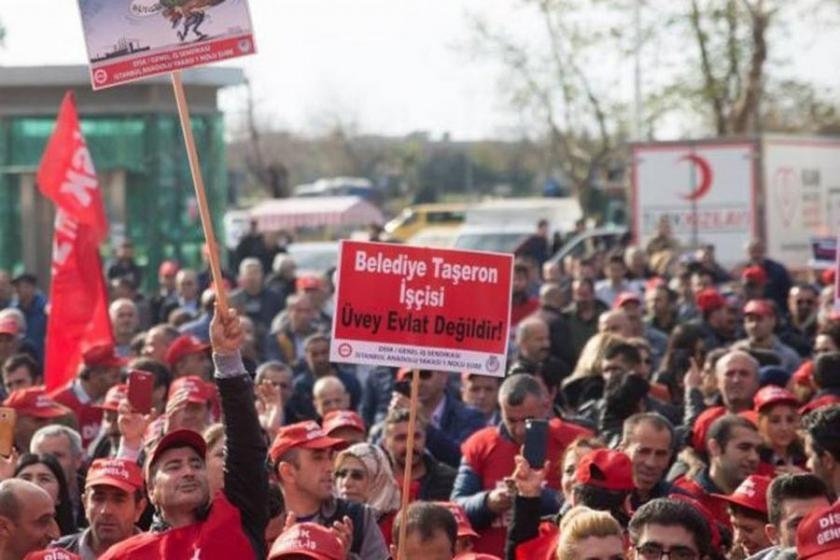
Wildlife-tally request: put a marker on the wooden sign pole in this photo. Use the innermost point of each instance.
(201, 195)
(409, 461)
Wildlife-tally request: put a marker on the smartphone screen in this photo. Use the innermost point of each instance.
(536, 441)
(7, 430)
(140, 387)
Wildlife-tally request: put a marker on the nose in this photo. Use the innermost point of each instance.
(52, 531)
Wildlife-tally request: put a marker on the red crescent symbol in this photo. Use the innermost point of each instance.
(704, 183)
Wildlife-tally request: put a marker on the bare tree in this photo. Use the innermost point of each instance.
(270, 172)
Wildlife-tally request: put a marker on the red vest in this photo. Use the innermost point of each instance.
(490, 456)
(88, 416)
(541, 547)
(219, 537)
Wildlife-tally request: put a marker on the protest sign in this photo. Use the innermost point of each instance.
(422, 308)
(132, 39)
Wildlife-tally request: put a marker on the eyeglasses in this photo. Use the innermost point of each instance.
(354, 474)
(655, 551)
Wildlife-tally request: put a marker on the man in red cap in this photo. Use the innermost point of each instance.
(100, 370)
(466, 534)
(760, 324)
(27, 519)
(345, 425)
(189, 404)
(748, 514)
(35, 409)
(308, 540)
(778, 280)
(753, 282)
(818, 536)
(302, 457)
(114, 501)
(190, 522)
(108, 440)
(719, 319)
(187, 355)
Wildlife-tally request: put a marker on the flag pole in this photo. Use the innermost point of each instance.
(409, 461)
(201, 195)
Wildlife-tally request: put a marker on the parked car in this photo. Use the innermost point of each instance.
(314, 257)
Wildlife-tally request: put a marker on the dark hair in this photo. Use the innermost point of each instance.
(624, 350)
(163, 376)
(401, 415)
(587, 281)
(653, 418)
(826, 367)
(723, 429)
(713, 356)
(615, 258)
(16, 361)
(832, 330)
(601, 499)
(671, 513)
(64, 508)
(793, 487)
(749, 513)
(516, 388)
(426, 519)
(521, 268)
(823, 425)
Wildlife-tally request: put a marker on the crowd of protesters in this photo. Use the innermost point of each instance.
(693, 413)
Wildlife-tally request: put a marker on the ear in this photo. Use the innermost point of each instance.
(393, 551)
(7, 528)
(772, 533)
(714, 448)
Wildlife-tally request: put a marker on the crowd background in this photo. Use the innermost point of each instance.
(692, 412)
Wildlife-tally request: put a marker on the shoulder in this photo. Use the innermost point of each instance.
(132, 545)
(564, 432)
(481, 442)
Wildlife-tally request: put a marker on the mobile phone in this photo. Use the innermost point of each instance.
(403, 387)
(7, 430)
(536, 441)
(140, 387)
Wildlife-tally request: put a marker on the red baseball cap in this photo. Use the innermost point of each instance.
(704, 512)
(197, 390)
(114, 397)
(625, 298)
(168, 268)
(305, 435)
(35, 402)
(701, 426)
(615, 468)
(52, 554)
(825, 400)
(182, 346)
(818, 535)
(9, 325)
(174, 439)
(754, 274)
(309, 540)
(770, 395)
(102, 355)
(708, 300)
(120, 473)
(761, 307)
(828, 276)
(751, 494)
(805, 373)
(309, 283)
(342, 419)
(465, 528)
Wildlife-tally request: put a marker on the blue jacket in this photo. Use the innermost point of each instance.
(36, 323)
(301, 403)
(457, 423)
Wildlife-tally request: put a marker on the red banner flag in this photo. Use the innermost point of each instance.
(78, 315)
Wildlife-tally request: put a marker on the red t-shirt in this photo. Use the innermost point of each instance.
(490, 455)
(88, 416)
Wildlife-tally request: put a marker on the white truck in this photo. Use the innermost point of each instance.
(782, 189)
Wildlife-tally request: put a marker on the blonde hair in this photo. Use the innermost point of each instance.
(581, 523)
(589, 363)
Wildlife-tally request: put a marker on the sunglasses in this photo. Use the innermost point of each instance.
(354, 474)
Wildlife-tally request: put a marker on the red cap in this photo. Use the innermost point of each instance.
(770, 395)
(342, 419)
(818, 535)
(9, 325)
(305, 435)
(176, 438)
(120, 473)
(168, 268)
(114, 397)
(751, 494)
(615, 468)
(654, 283)
(465, 528)
(182, 346)
(35, 402)
(701, 426)
(625, 298)
(804, 375)
(102, 355)
(704, 512)
(754, 274)
(197, 390)
(309, 283)
(309, 540)
(52, 554)
(708, 300)
(761, 307)
(828, 276)
(825, 400)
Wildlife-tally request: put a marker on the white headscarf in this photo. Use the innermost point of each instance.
(383, 492)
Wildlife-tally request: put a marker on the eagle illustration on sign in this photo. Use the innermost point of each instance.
(704, 181)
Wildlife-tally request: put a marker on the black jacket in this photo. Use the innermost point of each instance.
(436, 485)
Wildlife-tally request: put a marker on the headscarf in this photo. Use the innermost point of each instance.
(383, 492)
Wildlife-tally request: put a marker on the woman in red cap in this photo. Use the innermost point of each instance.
(778, 424)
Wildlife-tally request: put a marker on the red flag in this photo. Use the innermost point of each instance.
(78, 298)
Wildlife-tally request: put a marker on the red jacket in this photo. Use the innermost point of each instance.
(88, 416)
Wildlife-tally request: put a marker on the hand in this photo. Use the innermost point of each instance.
(529, 482)
(226, 332)
(344, 531)
(7, 465)
(499, 500)
(133, 425)
(694, 376)
(398, 400)
(175, 407)
(269, 395)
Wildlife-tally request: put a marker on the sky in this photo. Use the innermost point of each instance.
(383, 66)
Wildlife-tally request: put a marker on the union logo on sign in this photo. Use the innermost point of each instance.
(344, 350)
(492, 364)
(100, 76)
